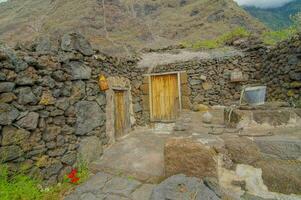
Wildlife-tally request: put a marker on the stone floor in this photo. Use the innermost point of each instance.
(130, 168)
(103, 186)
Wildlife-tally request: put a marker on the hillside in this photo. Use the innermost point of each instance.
(119, 26)
(276, 18)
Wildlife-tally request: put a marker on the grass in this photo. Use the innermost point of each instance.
(220, 41)
(273, 37)
(20, 186)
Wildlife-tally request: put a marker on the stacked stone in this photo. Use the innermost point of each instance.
(282, 71)
(50, 103)
(209, 80)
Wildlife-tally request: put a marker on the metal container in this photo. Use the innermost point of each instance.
(255, 96)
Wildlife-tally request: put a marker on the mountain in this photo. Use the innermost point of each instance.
(276, 18)
(118, 26)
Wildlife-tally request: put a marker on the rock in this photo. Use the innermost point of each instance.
(69, 159)
(101, 99)
(90, 149)
(8, 114)
(195, 82)
(121, 186)
(76, 41)
(180, 187)
(207, 86)
(143, 192)
(8, 153)
(44, 45)
(47, 98)
(282, 176)
(89, 116)
(62, 104)
(25, 96)
(200, 108)
(137, 107)
(295, 76)
(59, 75)
(189, 157)
(51, 132)
(213, 184)
(30, 121)
(12, 135)
(47, 81)
(52, 169)
(7, 97)
(80, 71)
(242, 150)
(7, 86)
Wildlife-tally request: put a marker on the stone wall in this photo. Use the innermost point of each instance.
(282, 71)
(51, 105)
(209, 80)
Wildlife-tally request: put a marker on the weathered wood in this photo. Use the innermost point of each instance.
(120, 113)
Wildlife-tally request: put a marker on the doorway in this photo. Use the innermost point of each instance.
(165, 102)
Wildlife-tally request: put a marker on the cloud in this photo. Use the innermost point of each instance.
(263, 3)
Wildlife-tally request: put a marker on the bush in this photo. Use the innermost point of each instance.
(220, 41)
(18, 186)
(273, 37)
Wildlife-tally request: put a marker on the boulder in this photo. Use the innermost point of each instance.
(76, 42)
(180, 187)
(189, 157)
(29, 121)
(79, 70)
(12, 135)
(8, 114)
(90, 149)
(242, 150)
(282, 176)
(89, 117)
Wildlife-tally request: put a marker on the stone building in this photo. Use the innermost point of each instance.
(53, 112)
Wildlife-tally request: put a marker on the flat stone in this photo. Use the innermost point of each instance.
(51, 132)
(282, 176)
(143, 193)
(25, 96)
(121, 186)
(30, 121)
(7, 97)
(90, 149)
(77, 42)
(189, 157)
(180, 187)
(12, 135)
(280, 147)
(8, 153)
(8, 114)
(89, 117)
(80, 71)
(7, 86)
(69, 159)
(53, 168)
(242, 150)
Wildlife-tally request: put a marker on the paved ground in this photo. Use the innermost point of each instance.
(104, 186)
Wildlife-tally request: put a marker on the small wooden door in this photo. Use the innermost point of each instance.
(164, 97)
(120, 113)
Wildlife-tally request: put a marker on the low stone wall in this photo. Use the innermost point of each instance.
(281, 71)
(51, 105)
(209, 80)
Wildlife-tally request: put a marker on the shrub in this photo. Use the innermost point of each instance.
(273, 37)
(220, 41)
(18, 186)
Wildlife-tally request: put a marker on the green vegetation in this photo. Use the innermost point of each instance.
(18, 186)
(22, 187)
(219, 41)
(273, 37)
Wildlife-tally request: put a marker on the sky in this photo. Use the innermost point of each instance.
(263, 3)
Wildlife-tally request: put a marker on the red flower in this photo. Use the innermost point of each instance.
(75, 180)
(72, 176)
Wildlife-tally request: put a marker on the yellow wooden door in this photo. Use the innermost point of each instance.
(120, 112)
(164, 97)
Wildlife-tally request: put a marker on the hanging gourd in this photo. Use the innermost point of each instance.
(103, 83)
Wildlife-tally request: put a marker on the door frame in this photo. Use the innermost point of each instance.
(127, 110)
(178, 73)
